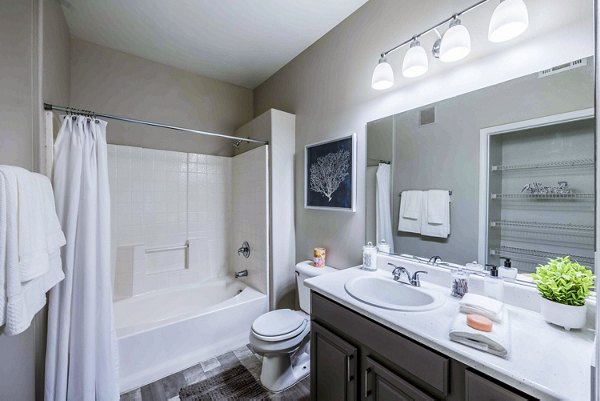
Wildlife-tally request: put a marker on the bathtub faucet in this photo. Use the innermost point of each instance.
(241, 273)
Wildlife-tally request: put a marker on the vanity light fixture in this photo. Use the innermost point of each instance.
(383, 76)
(415, 61)
(456, 42)
(509, 20)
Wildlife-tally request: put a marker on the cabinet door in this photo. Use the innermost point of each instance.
(381, 384)
(334, 364)
(478, 388)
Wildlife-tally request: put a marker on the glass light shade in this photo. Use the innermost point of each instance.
(509, 20)
(383, 76)
(415, 61)
(456, 43)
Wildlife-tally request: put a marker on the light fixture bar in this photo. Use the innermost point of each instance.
(456, 15)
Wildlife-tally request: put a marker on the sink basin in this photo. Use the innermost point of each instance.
(389, 294)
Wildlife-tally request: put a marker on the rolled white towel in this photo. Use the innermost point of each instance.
(482, 305)
(496, 342)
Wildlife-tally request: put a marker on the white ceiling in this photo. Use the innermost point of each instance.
(238, 41)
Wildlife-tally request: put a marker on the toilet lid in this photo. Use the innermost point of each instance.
(279, 325)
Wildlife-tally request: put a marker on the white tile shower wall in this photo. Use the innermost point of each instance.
(163, 198)
(250, 215)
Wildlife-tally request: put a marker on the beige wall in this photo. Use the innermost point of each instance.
(328, 88)
(109, 81)
(278, 128)
(34, 66)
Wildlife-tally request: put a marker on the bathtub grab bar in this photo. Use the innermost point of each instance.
(168, 248)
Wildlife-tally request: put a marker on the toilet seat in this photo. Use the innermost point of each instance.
(279, 325)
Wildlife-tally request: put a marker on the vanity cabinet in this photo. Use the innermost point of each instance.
(334, 366)
(355, 358)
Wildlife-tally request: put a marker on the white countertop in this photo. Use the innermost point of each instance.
(544, 361)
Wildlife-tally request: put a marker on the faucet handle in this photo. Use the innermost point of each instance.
(415, 280)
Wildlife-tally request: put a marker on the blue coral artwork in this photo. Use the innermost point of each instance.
(330, 174)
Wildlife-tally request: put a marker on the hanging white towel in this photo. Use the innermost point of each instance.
(384, 209)
(496, 342)
(21, 299)
(411, 203)
(438, 204)
(438, 211)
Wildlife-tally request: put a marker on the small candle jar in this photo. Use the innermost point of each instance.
(369, 257)
(460, 283)
(319, 255)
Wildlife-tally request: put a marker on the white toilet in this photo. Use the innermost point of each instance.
(282, 336)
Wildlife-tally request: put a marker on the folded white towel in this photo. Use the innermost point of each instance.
(482, 305)
(496, 342)
(410, 212)
(433, 230)
(412, 204)
(438, 206)
(21, 299)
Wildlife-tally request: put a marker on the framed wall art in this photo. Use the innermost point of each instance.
(330, 174)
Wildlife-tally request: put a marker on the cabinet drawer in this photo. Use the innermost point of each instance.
(381, 384)
(479, 388)
(427, 367)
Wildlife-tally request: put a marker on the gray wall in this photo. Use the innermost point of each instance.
(113, 82)
(34, 66)
(328, 88)
(445, 154)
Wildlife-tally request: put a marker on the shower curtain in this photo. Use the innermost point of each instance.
(82, 355)
(384, 210)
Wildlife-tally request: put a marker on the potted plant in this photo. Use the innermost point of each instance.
(564, 285)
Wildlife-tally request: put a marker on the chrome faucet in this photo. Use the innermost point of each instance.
(398, 271)
(241, 273)
(415, 280)
(434, 260)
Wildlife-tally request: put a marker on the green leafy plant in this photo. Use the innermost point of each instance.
(564, 281)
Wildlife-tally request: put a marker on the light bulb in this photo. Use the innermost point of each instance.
(456, 43)
(509, 20)
(383, 76)
(415, 61)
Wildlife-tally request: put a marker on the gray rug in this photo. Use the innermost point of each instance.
(236, 383)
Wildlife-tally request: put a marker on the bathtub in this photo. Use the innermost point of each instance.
(165, 331)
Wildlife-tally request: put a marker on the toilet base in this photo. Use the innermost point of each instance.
(280, 372)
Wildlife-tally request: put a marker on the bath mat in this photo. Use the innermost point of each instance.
(236, 383)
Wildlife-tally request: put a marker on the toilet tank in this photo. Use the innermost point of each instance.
(305, 270)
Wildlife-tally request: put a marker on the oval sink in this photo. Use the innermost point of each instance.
(389, 294)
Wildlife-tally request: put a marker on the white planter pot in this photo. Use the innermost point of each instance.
(567, 316)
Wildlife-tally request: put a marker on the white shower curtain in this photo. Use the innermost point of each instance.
(82, 355)
(384, 210)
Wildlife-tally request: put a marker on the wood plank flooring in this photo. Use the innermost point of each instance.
(167, 389)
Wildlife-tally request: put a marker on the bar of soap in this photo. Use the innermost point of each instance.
(479, 322)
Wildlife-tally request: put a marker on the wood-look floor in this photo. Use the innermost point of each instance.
(167, 389)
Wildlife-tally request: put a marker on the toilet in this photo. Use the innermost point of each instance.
(282, 336)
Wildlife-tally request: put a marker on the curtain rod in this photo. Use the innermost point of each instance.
(51, 107)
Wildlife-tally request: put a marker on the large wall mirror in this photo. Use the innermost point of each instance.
(515, 162)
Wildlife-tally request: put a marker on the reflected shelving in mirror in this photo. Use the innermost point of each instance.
(552, 164)
(589, 196)
(542, 226)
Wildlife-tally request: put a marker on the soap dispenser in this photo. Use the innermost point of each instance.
(507, 270)
(493, 286)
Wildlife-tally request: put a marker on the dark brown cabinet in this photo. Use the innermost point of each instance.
(355, 358)
(381, 384)
(334, 366)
